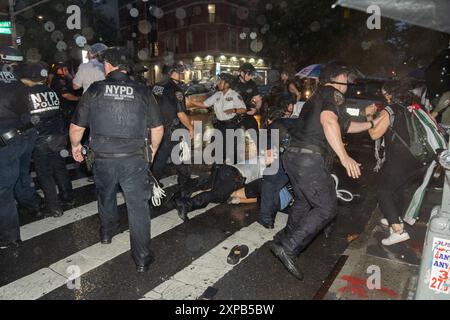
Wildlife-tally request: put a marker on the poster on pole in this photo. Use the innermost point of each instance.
(440, 270)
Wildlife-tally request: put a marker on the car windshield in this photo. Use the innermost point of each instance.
(365, 90)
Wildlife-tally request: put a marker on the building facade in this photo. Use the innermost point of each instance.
(208, 37)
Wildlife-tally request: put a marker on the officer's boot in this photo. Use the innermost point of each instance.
(184, 206)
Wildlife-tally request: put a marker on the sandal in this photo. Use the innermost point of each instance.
(237, 253)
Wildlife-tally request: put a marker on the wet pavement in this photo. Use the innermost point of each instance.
(190, 257)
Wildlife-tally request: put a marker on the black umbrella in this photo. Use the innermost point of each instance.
(431, 14)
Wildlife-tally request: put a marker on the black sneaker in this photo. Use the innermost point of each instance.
(287, 260)
(182, 209)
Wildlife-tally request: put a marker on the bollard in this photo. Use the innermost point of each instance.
(434, 277)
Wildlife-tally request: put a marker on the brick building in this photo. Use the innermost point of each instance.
(208, 36)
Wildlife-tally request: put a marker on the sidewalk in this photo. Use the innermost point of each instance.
(398, 265)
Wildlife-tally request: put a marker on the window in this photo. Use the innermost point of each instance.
(189, 42)
(233, 41)
(212, 40)
(176, 41)
(212, 13)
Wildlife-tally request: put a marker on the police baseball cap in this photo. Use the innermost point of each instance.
(248, 68)
(228, 78)
(169, 69)
(117, 57)
(10, 54)
(33, 71)
(332, 70)
(97, 48)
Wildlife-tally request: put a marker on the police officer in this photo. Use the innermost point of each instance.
(228, 104)
(305, 162)
(120, 113)
(247, 88)
(47, 117)
(92, 71)
(17, 140)
(62, 85)
(171, 101)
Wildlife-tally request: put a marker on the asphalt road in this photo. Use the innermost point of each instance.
(190, 257)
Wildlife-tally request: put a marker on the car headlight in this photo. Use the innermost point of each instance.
(444, 159)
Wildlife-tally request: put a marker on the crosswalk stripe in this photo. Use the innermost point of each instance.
(192, 281)
(41, 282)
(40, 227)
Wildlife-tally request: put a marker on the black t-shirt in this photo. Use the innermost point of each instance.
(119, 112)
(14, 107)
(46, 112)
(246, 90)
(63, 85)
(308, 132)
(171, 101)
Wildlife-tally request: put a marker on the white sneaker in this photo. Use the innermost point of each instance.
(395, 238)
(385, 223)
(234, 201)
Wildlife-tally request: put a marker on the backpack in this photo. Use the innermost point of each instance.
(425, 135)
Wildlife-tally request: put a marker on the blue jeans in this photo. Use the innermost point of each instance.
(15, 183)
(270, 195)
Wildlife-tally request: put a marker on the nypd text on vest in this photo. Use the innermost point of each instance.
(119, 92)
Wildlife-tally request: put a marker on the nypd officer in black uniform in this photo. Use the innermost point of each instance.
(314, 138)
(171, 101)
(17, 140)
(48, 119)
(120, 113)
(247, 88)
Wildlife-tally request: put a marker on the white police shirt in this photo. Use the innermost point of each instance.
(223, 102)
(88, 73)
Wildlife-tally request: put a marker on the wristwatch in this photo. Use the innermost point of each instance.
(373, 124)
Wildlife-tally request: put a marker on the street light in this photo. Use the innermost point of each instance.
(12, 15)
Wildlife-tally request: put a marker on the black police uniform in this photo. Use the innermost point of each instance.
(307, 165)
(171, 101)
(62, 85)
(119, 112)
(50, 167)
(17, 140)
(247, 91)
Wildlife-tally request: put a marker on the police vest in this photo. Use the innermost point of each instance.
(14, 107)
(170, 98)
(118, 118)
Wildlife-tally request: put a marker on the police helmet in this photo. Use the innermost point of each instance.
(285, 101)
(33, 71)
(117, 57)
(228, 78)
(10, 55)
(332, 70)
(97, 48)
(248, 68)
(169, 69)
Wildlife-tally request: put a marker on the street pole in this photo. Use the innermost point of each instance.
(434, 282)
(12, 16)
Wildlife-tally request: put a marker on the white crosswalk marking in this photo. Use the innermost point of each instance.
(192, 281)
(55, 276)
(40, 227)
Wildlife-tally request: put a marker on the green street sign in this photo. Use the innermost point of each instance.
(5, 30)
(5, 27)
